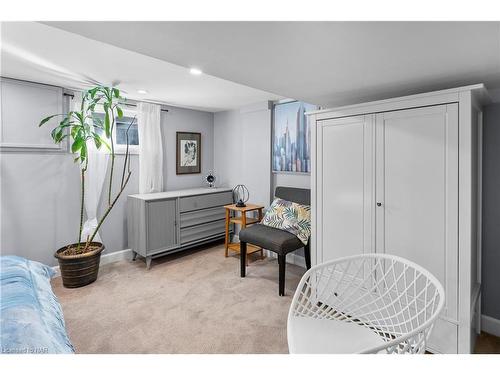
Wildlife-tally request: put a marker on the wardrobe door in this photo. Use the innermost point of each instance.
(417, 193)
(344, 187)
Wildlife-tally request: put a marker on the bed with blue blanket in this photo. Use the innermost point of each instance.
(31, 317)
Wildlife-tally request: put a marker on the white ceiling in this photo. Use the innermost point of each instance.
(36, 52)
(326, 63)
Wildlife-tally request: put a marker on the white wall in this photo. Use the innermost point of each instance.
(227, 148)
(39, 189)
(186, 120)
(39, 204)
(302, 181)
(242, 151)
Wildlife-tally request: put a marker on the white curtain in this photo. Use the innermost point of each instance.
(94, 180)
(150, 148)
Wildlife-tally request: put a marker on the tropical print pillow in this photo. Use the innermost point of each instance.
(291, 217)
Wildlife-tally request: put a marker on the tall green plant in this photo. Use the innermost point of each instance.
(82, 127)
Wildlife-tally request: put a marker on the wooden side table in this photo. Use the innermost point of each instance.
(242, 220)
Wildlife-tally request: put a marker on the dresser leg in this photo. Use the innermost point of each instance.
(148, 262)
(134, 255)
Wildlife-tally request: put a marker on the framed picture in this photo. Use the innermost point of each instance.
(291, 137)
(188, 153)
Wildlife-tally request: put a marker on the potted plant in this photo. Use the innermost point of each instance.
(79, 261)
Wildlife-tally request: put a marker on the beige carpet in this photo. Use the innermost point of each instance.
(191, 302)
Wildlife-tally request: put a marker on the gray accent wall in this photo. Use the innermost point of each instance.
(186, 120)
(491, 212)
(39, 189)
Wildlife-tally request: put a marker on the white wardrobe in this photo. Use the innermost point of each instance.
(402, 177)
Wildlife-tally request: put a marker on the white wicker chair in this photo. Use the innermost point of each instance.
(369, 303)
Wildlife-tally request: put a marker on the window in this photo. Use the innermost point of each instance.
(120, 132)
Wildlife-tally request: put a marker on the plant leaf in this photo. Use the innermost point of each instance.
(119, 111)
(53, 133)
(80, 117)
(97, 141)
(77, 144)
(116, 93)
(107, 128)
(59, 135)
(46, 119)
(83, 152)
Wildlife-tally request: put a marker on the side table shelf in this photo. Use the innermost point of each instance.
(243, 221)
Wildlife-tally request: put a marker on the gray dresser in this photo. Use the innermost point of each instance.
(163, 223)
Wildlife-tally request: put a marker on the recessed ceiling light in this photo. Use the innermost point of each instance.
(195, 71)
(141, 91)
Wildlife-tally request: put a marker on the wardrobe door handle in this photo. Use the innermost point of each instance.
(379, 204)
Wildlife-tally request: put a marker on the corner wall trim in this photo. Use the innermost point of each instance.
(490, 325)
(105, 259)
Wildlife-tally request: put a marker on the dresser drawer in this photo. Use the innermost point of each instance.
(198, 202)
(188, 219)
(200, 232)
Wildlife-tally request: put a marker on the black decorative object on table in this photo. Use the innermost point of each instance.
(241, 195)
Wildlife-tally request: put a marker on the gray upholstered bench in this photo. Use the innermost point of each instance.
(277, 240)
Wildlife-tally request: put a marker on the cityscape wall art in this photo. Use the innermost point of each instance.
(291, 137)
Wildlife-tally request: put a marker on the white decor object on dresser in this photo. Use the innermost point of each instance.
(403, 177)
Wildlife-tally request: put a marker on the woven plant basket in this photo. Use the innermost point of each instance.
(81, 269)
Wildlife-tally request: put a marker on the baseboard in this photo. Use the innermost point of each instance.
(296, 259)
(291, 258)
(490, 325)
(106, 259)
